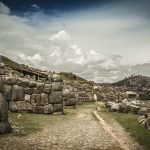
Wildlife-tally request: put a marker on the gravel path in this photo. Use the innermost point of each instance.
(81, 132)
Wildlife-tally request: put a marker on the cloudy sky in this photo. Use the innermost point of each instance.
(100, 40)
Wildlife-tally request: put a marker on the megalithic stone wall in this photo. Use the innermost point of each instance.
(34, 97)
(23, 94)
(5, 126)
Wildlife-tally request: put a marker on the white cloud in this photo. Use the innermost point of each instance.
(35, 6)
(4, 9)
(97, 46)
(61, 35)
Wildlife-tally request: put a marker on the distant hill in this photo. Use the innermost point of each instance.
(134, 80)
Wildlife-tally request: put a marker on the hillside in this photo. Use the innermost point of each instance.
(9, 62)
(134, 81)
(30, 70)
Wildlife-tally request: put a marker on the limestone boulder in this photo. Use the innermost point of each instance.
(39, 88)
(21, 105)
(48, 109)
(8, 92)
(2, 71)
(2, 65)
(11, 80)
(23, 82)
(13, 107)
(115, 107)
(3, 108)
(28, 90)
(27, 98)
(17, 93)
(29, 107)
(47, 88)
(5, 127)
(56, 78)
(147, 123)
(58, 107)
(44, 99)
(67, 93)
(1, 84)
(142, 120)
(38, 109)
(133, 108)
(35, 99)
(71, 102)
(32, 84)
(57, 86)
(56, 97)
(143, 111)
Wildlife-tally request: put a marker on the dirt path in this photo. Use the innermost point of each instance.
(80, 132)
(121, 137)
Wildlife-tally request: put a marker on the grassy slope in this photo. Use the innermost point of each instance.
(9, 62)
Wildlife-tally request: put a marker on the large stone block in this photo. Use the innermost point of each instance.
(1, 84)
(3, 108)
(13, 107)
(21, 105)
(47, 88)
(8, 92)
(57, 79)
(28, 91)
(23, 82)
(17, 93)
(48, 109)
(38, 109)
(29, 107)
(27, 98)
(68, 94)
(58, 107)
(2, 65)
(5, 127)
(2, 71)
(57, 86)
(71, 102)
(11, 80)
(56, 97)
(44, 99)
(39, 88)
(32, 84)
(35, 99)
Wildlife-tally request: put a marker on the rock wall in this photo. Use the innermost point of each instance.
(5, 127)
(25, 95)
(75, 92)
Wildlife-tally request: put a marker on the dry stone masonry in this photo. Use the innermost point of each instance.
(25, 95)
(5, 126)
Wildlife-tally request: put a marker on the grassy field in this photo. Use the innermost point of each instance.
(130, 123)
(32, 123)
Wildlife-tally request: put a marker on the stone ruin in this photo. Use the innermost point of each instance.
(77, 93)
(25, 95)
(18, 93)
(5, 126)
(21, 94)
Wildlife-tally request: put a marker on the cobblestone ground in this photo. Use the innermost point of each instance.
(81, 132)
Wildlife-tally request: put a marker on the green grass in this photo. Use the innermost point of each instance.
(33, 123)
(131, 124)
